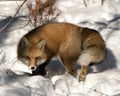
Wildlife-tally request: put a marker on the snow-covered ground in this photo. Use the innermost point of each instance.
(106, 82)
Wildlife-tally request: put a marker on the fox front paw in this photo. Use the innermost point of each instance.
(82, 78)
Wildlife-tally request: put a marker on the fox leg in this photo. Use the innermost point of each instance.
(83, 72)
(69, 67)
(91, 55)
(68, 64)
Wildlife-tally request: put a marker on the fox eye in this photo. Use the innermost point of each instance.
(37, 58)
(27, 57)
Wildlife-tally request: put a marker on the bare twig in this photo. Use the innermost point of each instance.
(94, 90)
(3, 57)
(17, 4)
(102, 2)
(85, 3)
(12, 17)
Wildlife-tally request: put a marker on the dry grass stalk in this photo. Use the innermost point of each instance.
(42, 12)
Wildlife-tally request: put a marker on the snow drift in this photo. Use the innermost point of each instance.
(106, 80)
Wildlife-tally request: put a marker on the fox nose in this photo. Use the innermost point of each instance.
(33, 68)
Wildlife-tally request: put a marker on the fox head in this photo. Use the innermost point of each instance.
(32, 54)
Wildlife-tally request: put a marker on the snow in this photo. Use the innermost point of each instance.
(102, 79)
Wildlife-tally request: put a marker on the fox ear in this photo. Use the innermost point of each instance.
(25, 42)
(42, 44)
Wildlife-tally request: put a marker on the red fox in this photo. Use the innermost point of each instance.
(67, 41)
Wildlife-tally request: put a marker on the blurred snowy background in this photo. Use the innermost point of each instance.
(102, 80)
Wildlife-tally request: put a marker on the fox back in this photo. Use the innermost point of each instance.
(69, 42)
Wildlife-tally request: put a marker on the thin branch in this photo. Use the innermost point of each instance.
(94, 90)
(12, 17)
(85, 3)
(3, 59)
(102, 2)
(17, 4)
